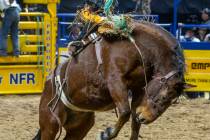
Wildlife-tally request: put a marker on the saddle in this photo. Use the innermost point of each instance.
(76, 47)
(117, 26)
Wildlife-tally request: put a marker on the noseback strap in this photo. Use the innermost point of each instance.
(168, 76)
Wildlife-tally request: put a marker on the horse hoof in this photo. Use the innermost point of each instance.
(109, 131)
(102, 136)
(105, 135)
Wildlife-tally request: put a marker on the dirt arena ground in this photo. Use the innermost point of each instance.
(187, 120)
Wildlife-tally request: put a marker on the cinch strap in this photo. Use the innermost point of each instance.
(64, 98)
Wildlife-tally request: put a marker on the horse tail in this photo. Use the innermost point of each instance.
(38, 135)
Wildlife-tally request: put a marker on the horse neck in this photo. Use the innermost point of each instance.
(158, 46)
(164, 65)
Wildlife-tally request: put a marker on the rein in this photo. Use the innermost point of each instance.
(165, 78)
(162, 79)
(141, 56)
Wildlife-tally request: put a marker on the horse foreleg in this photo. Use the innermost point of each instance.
(119, 94)
(135, 127)
(78, 129)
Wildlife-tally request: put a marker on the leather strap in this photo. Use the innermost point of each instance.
(64, 99)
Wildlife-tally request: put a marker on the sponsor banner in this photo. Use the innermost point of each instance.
(198, 69)
(202, 81)
(14, 80)
(198, 65)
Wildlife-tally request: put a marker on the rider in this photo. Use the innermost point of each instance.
(88, 15)
(92, 11)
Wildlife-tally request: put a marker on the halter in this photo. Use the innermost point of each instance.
(155, 99)
(162, 80)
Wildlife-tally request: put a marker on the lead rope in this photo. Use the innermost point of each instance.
(141, 56)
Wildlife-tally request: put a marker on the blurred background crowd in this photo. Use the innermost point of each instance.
(189, 12)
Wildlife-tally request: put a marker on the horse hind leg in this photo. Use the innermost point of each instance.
(48, 124)
(78, 129)
(44, 135)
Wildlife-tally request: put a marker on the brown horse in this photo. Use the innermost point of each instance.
(153, 86)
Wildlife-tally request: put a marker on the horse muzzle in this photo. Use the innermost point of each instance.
(141, 119)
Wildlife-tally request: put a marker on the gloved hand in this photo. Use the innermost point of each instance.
(1, 15)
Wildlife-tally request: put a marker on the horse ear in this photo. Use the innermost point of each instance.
(188, 86)
(185, 85)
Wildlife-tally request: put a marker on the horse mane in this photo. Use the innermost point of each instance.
(165, 41)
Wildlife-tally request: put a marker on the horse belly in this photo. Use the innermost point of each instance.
(93, 96)
(98, 99)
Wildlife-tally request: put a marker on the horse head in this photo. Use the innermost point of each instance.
(160, 93)
(167, 81)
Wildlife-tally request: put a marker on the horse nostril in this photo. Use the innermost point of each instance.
(154, 106)
(164, 98)
(140, 119)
